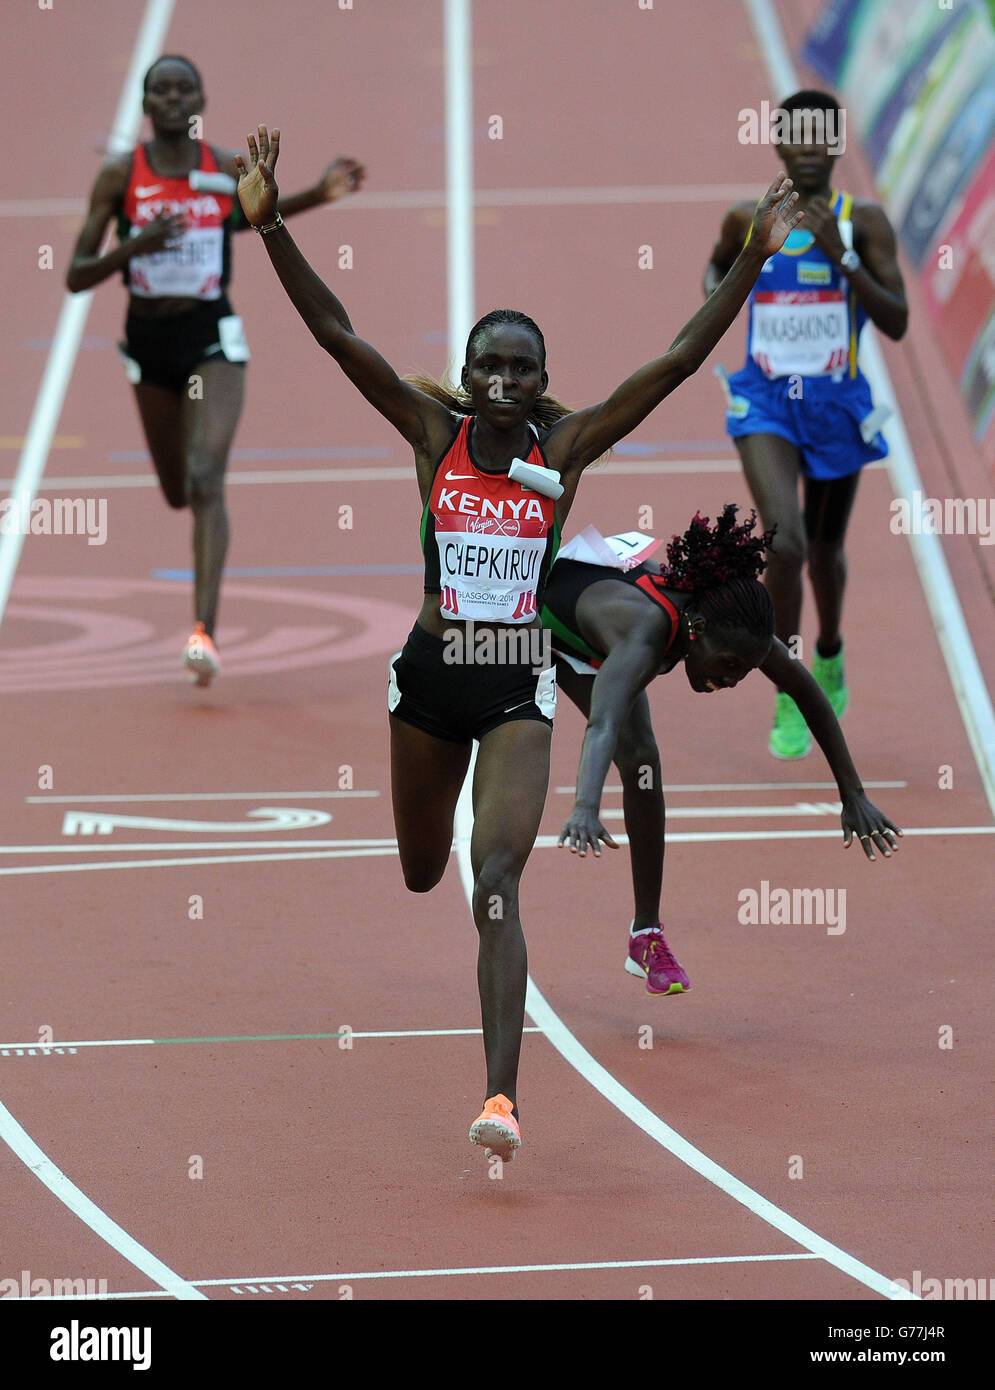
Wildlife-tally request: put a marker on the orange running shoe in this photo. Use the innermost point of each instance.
(497, 1127)
(200, 656)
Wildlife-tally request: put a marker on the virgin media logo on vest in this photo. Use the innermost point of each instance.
(494, 526)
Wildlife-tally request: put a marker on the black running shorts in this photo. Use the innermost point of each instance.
(466, 697)
(167, 351)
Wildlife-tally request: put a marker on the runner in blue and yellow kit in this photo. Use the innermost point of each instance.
(801, 405)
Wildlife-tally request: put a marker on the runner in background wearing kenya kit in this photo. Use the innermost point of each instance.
(488, 543)
(173, 200)
(801, 405)
(617, 621)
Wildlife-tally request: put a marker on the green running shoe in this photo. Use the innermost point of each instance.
(789, 737)
(828, 671)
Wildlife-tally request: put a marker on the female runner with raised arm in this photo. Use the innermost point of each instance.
(487, 551)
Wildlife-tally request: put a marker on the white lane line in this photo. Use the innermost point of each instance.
(288, 475)
(67, 1192)
(29, 869)
(725, 787)
(565, 1042)
(504, 1269)
(458, 64)
(87, 846)
(75, 308)
(708, 837)
(88, 1297)
(44, 418)
(800, 808)
(603, 1081)
(360, 850)
(82, 826)
(45, 1048)
(934, 575)
(617, 468)
(285, 1283)
(210, 796)
(618, 1095)
(386, 474)
(148, 46)
(428, 198)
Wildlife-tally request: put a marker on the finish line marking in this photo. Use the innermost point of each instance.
(45, 1049)
(731, 787)
(286, 1283)
(360, 850)
(214, 796)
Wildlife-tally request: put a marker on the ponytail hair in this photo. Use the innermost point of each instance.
(721, 565)
(546, 410)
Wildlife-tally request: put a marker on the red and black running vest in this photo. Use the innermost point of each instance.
(199, 266)
(652, 585)
(488, 542)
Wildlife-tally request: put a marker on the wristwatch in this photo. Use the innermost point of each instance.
(850, 261)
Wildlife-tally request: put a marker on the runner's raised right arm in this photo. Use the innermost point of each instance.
(425, 423)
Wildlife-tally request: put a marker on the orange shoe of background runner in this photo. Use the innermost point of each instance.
(200, 656)
(497, 1127)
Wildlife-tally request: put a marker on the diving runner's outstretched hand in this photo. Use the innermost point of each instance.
(583, 829)
(872, 827)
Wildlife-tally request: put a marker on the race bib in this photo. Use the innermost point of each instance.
(189, 268)
(800, 332)
(620, 552)
(490, 576)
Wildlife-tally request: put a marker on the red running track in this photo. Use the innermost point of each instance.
(246, 1148)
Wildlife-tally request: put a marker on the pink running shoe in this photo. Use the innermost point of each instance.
(651, 957)
(497, 1127)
